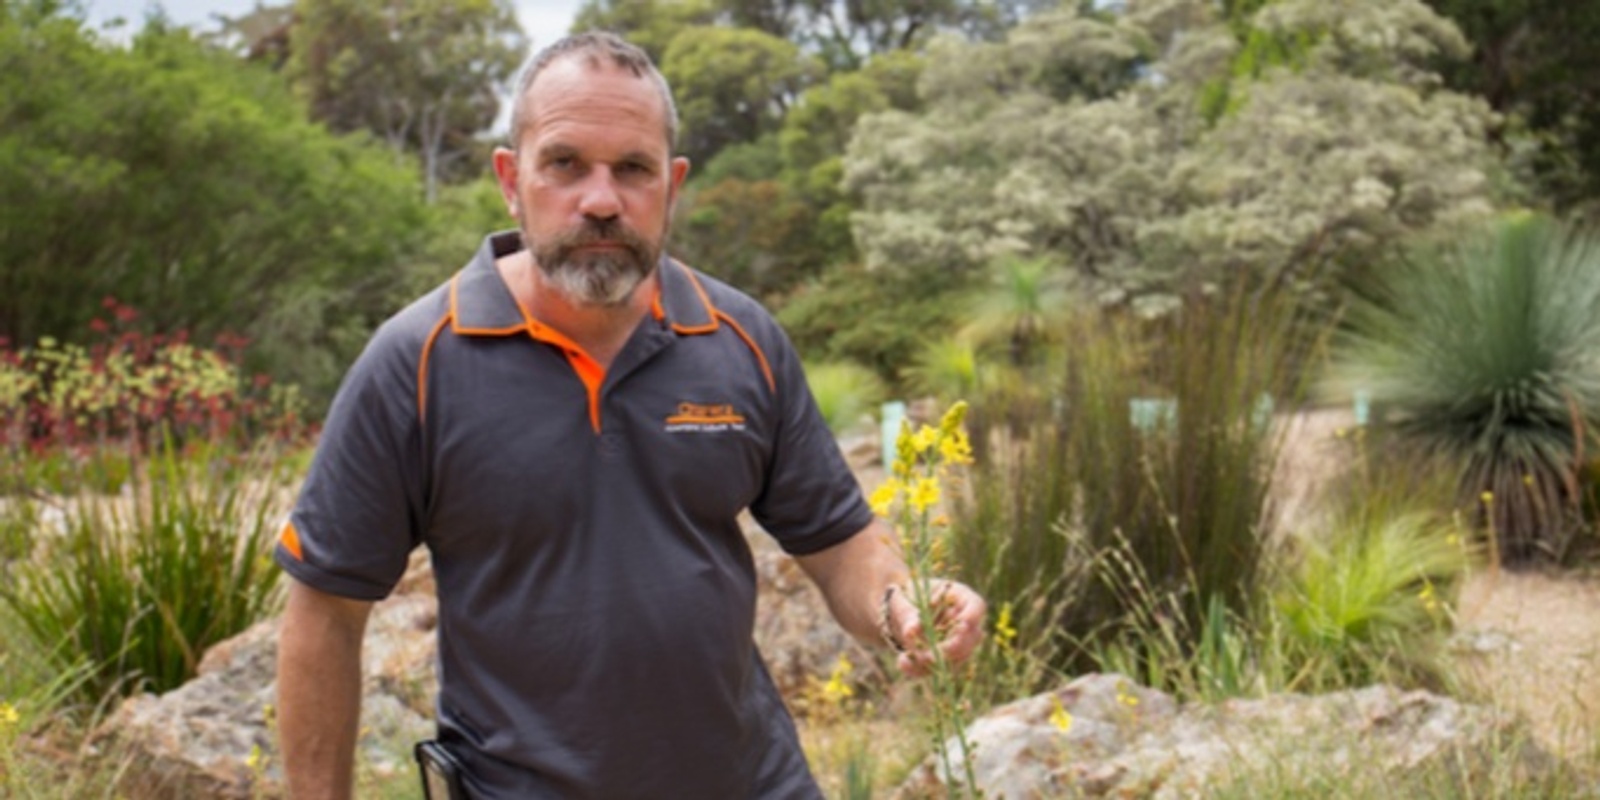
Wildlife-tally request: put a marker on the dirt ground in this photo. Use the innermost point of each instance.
(1530, 643)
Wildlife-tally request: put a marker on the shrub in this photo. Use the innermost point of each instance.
(78, 415)
(1092, 515)
(141, 585)
(1483, 351)
(846, 393)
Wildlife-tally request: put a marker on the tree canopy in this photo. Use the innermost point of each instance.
(1079, 140)
(191, 187)
(425, 75)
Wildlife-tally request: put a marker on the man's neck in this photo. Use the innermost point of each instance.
(600, 330)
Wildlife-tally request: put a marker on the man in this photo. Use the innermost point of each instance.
(571, 427)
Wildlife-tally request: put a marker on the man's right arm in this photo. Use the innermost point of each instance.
(319, 691)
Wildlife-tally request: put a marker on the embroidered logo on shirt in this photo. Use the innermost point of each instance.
(705, 418)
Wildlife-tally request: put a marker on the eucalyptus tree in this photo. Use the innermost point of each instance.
(426, 76)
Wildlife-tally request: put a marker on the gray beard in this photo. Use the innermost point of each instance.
(595, 279)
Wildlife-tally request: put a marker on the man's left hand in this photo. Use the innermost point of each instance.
(957, 613)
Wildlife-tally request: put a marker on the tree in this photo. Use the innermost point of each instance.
(191, 187)
(650, 24)
(1101, 159)
(1535, 63)
(772, 213)
(425, 75)
(732, 85)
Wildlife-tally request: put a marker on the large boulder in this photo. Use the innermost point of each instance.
(213, 737)
(1104, 736)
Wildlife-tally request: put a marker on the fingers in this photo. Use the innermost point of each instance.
(958, 614)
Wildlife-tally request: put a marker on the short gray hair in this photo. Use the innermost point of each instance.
(595, 47)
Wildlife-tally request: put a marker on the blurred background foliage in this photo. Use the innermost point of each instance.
(294, 175)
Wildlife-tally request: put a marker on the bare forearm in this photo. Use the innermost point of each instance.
(854, 575)
(319, 693)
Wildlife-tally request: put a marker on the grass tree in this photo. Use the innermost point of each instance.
(1485, 354)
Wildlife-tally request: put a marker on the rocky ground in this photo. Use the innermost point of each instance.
(1530, 642)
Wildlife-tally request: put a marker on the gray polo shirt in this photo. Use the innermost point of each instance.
(596, 594)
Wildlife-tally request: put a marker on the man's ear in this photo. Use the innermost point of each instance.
(680, 170)
(505, 173)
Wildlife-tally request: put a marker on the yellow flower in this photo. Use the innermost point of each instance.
(8, 714)
(1004, 631)
(884, 496)
(1060, 717)
(925, 439)
(955, 449)
(952, 418)
(1429, 600)
(256, 757)
(1487, 497)
(905, 452)
(1126, 697)
(924, 494)
(837, 690)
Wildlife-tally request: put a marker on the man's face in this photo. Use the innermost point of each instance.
(593, 180)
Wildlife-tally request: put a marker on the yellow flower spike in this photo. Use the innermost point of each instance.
(1004, 631)
(951, 421)
(884, 496)
(1487, 497)
(905, 458)
(255, 759)
(1059, 716)
(924, 494)
(924, 440)
(954, 448)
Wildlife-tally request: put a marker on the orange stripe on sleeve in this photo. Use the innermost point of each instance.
(290, 539)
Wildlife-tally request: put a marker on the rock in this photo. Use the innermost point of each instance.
(1128, 741)
(213, 737)
(797, 635)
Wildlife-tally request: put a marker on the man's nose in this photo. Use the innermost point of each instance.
(600, 198)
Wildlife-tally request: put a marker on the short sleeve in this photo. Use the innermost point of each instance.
(359, 512)
(811, 500)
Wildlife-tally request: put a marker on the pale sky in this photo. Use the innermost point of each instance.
(544, 20)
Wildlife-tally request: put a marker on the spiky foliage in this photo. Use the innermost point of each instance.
(139, 586)
(1486, 353)
(846, 392)
(1085, 495)
(1022, 308)
(946, 367)
(1357, 602)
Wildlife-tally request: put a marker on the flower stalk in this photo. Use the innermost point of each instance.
(925, 462)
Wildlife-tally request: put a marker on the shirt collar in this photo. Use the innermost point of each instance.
(482, 305)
